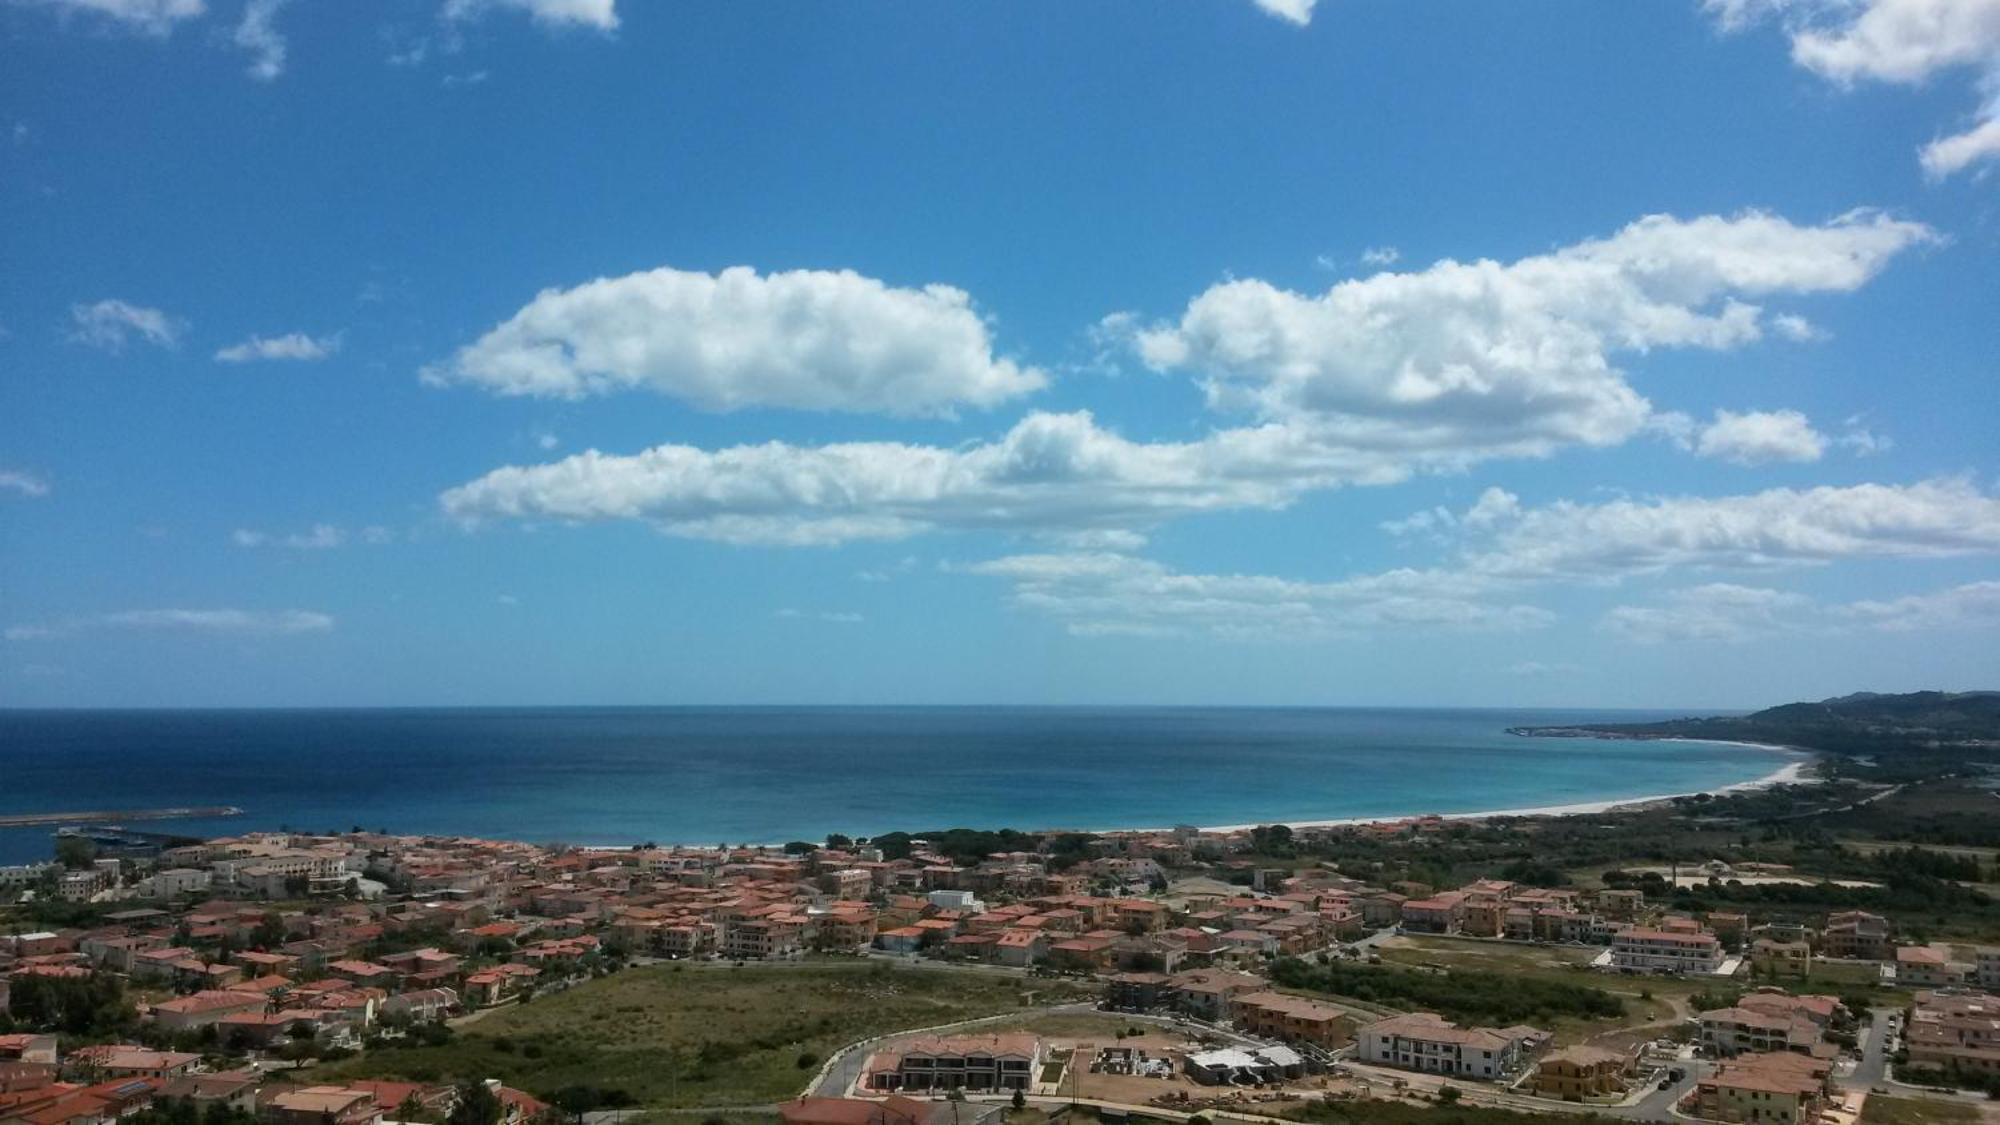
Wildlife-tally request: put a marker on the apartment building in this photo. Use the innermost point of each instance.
(189, 1013)
(1639, 950)
(958, 1062)
(1773, 1089)
(1920, 966)
(1207, 994)
(764, 933)
(1294, 1019)
(1438, 914)
(1427, 1042)
(1739, 1030)
(1857, 934)
(1581, 1072)
(1781, 958)
(1955, 1029)
(124, 1060)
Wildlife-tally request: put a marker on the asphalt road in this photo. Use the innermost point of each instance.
(1874, 1063)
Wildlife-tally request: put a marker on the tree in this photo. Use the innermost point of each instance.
(270, 932)
(75, 852)
(1448, 1095)
(839, 843)
(1020, 1099)
(85, 1007)
(477, 1105)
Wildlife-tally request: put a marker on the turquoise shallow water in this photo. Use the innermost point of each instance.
(732, 774)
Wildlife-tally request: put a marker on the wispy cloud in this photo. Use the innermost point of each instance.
(147, 17)
(319, 537)
(834, 617)
(234, 622)
(1298, 12)
(257, 33)
(290, 346)
(110, 324)
(23, 484)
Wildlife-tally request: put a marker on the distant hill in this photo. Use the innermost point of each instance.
(1865, 723)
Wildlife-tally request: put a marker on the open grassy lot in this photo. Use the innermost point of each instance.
(669, 1036)
(1882, 1110)
(1654, 1003)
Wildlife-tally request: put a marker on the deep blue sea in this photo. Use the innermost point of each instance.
(753, 774)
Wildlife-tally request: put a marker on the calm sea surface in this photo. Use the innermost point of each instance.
(734, 774)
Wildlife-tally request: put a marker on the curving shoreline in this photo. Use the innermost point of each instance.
(1791, 773)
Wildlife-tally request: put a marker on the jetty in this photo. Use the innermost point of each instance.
(113, 816)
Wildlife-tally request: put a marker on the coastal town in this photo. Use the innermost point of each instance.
(300, 979)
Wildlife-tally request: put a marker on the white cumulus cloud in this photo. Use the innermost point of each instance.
(1756, 437)
(1373, 382)
(804, 339)
(1896, 41)
(1479, 359)
(1049, 472)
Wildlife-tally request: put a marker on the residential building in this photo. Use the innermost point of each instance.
(124, 1060)
(958, 1062)
(1739, 1030)
(1581, 1073)
(1206, 993)
(1920, 966)
(1858, 935)
(1294, 1019)
(1427, 1042)
(1986, 969)
(188, 1013)
(1639, 950)
(1773, 1089)
(1781, 958)
(1955, 1030)
(319, 1105)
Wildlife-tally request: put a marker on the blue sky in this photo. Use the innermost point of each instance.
(587, 351)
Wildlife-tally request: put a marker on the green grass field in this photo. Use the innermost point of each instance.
(701, 1037)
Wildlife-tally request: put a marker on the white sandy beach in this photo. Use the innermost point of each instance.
(1791, 773)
